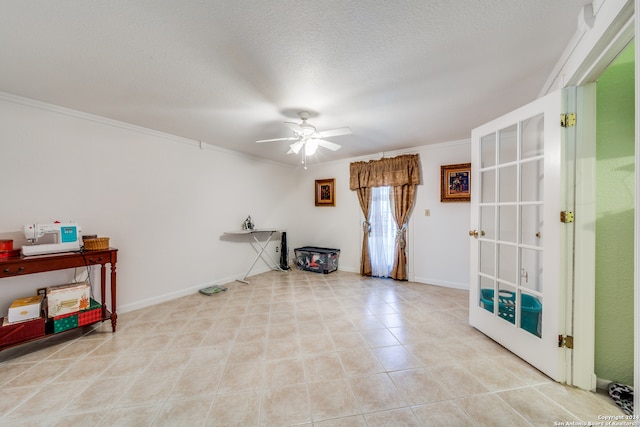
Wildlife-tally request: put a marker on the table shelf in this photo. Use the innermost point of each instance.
(20, 266)
(51, 334)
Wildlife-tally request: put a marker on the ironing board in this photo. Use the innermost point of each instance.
(262, 247)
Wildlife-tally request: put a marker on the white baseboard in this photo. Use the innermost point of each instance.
(172, 295)
(602, 384)
(349, 269)
(183, 292)
(442, 283)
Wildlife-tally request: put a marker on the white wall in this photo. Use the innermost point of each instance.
(165, 202)
(441, 240)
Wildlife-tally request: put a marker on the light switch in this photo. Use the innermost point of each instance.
(427, 212)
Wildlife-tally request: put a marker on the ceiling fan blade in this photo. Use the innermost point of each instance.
(295, 147)
(277, 139)
(328, 144)
(335, 132)
(294, 127)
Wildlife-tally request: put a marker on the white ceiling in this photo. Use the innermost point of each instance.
(400, 73)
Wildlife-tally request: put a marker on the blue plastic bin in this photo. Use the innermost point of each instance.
(530, 308)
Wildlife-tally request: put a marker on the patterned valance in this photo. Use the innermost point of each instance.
(393, 172)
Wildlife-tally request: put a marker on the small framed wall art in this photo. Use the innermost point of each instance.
(455, 183)
(326, 192)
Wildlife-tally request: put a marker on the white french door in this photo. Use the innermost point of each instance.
(519, 269)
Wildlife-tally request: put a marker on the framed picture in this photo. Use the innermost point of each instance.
(455, 183)
(326, 192)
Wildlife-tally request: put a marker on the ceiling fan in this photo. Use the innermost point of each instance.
(308, 139)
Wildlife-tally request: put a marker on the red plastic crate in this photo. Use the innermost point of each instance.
(21, 331)
(91, 315)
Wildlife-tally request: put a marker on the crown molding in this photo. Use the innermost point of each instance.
(202, 145)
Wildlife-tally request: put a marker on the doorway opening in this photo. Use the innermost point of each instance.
(615, 202)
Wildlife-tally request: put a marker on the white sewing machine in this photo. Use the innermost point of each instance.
(67, 238)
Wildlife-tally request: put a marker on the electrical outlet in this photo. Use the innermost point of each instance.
(277, 249)
(427, 212)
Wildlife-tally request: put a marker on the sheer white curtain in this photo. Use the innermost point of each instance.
(382, 236)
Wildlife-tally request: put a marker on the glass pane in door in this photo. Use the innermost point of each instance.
(533, 137)
(487, 221)
(531, 230)
(532, 178)
(531, 314)
(508, 183)
(486, 293)
(508, 143)
(487, 258)
(488, 150)
(507, 258)
(507, 303)
(531, 269)
(488, 186)
(508, 224)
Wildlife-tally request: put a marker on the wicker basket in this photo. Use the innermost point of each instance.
(96, 244)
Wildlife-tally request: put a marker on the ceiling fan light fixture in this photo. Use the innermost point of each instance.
(310, 147)
(296, 146)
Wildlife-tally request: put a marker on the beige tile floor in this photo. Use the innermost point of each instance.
(292, 348)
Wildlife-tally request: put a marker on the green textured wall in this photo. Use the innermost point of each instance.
(615, 194)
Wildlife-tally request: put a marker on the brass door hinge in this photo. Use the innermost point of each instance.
(567, 120)
(565, 341)
(566, 217)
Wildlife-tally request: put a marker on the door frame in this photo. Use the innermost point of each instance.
(636, 245)
(582, 300)
(604, 29)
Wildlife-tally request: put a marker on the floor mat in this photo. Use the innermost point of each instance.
(211, 290)
(623, 396)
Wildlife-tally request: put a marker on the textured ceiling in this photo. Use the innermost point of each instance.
(399, 73)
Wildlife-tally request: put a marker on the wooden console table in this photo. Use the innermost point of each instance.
(20, 266)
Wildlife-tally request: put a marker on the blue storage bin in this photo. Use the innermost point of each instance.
(530, 308)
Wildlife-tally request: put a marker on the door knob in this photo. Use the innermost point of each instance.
(473, 233)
